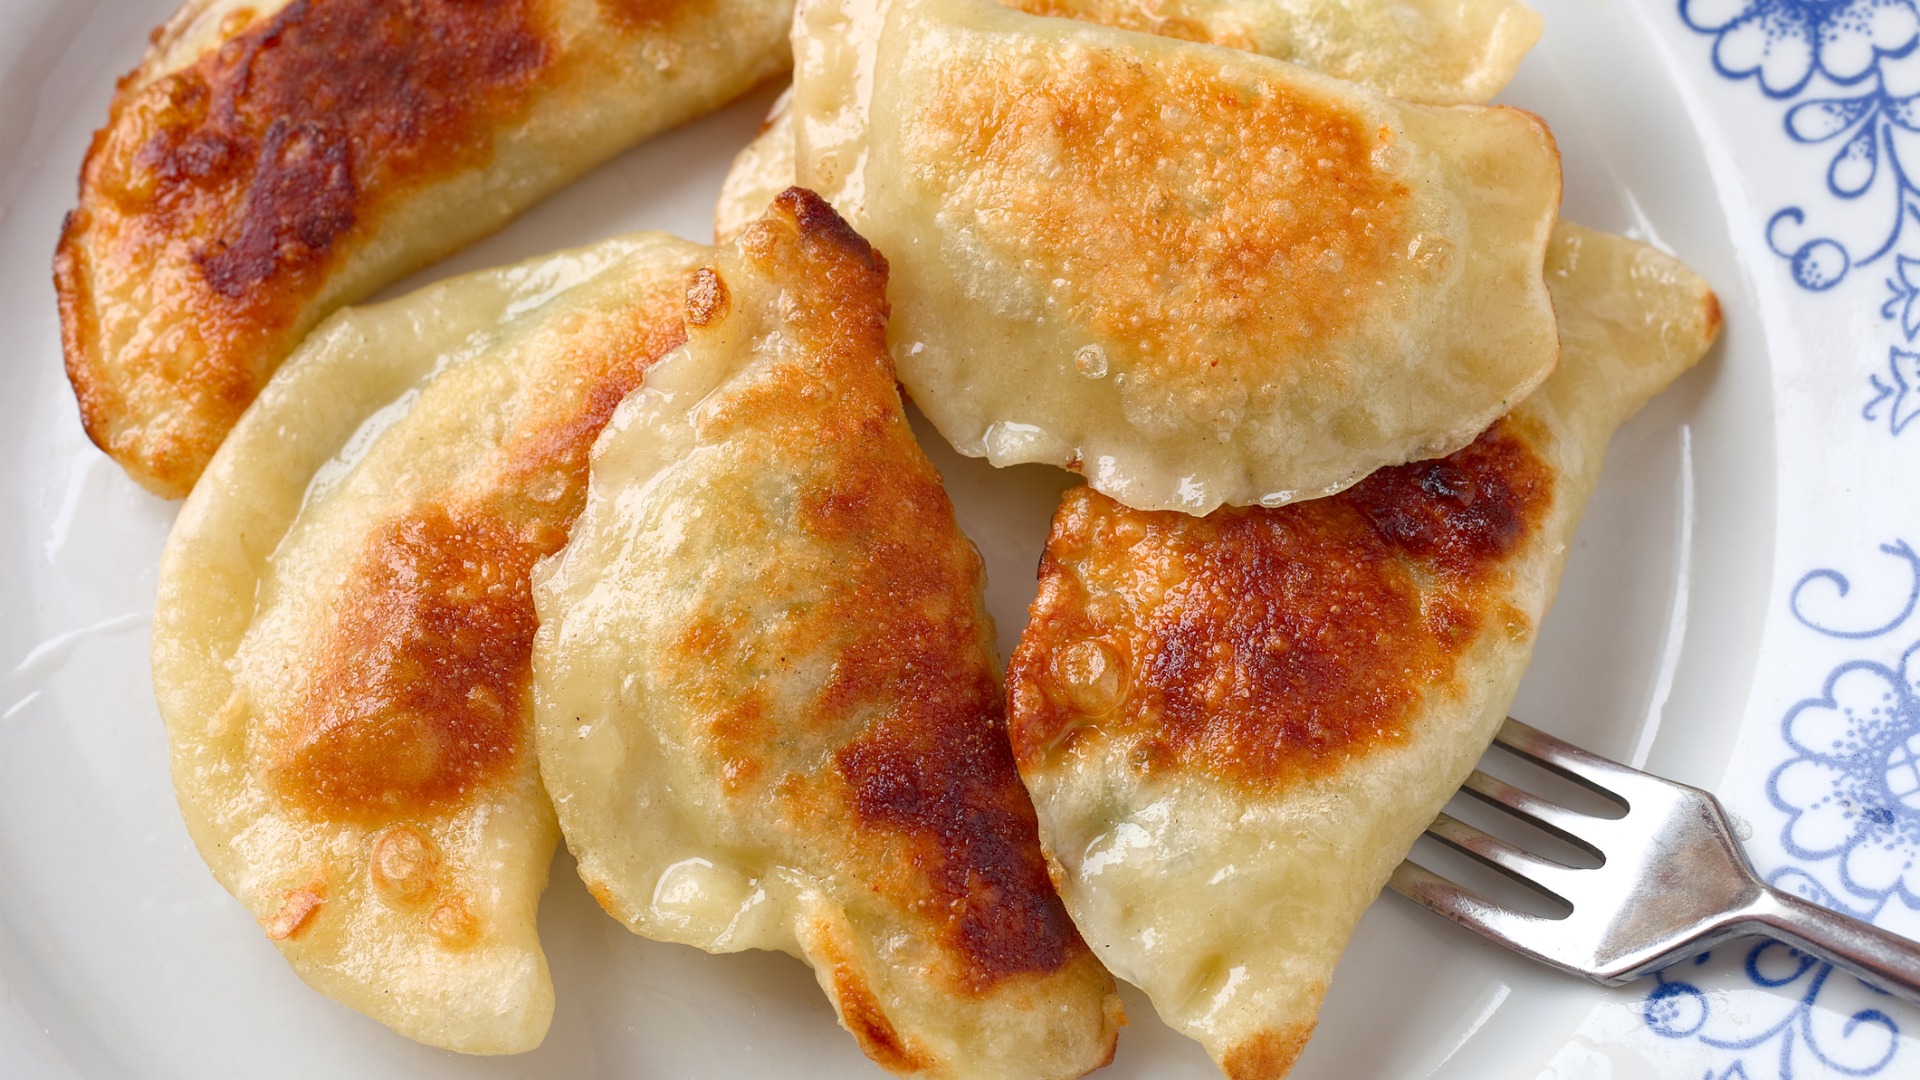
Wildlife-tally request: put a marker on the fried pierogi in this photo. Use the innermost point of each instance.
(345, 621)
(268, 162)
(1197, 276)
(1435, 52)
(766, 700)
(1235, 726)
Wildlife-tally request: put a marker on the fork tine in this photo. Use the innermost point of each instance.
(1601, 775)
(1430, 890)
(1533, 809)
(1528, 933)
(1523, 866)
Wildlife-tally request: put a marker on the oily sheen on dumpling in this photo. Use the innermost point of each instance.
(767, 705)
(345, 621)
(270, 161)
(1195, 275)
(1235, 726)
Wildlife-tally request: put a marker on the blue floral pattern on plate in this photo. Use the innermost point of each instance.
(1789, 1042)
(1851, 795)
(1854, 66)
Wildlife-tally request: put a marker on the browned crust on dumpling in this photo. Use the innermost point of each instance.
(860, 1010)
(419, 691)
(1289, 177)
(221, 194)
(1711, 318)
(221, 198)
(1268, 646)
(942, 789)
(1267, 1056)
(923, 784)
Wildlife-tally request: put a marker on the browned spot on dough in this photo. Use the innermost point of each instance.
(296, 913)
(861, 1012)
(603, 895)
(943, 780)
(404, 865)
(1268, 1055)
(311, 114)
(745, 727)
(1710, 317)
(1269, 645)
(219, 198)
(1461, 514)
(301, 197)
(418, 692)
(1188, 214)
(707, 299)
(454, 923)
(909, 719)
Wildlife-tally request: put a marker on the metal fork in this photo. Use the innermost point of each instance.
(1672, 882)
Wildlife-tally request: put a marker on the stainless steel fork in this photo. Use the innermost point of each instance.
(1672, 882)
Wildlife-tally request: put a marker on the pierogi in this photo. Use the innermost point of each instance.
(1235, 726)
(766, 700)
(345, 622)
(1435, 52)
(270, 161)
(1195, 275)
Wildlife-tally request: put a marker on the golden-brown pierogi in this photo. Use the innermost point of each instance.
(766, 699)
(345, 623)
(1198, 276)
(1435, 52)
(268, 162)
(1235, 726)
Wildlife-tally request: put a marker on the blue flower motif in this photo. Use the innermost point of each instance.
(1850, 787)
(1865, 106)
(1789, 1034)
(1906, 290)
(1783, 42)
(1901, 391)
(1853, 790)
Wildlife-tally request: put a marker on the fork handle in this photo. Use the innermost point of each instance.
(1881, 959)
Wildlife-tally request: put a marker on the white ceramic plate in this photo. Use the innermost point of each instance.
(1739, 605)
